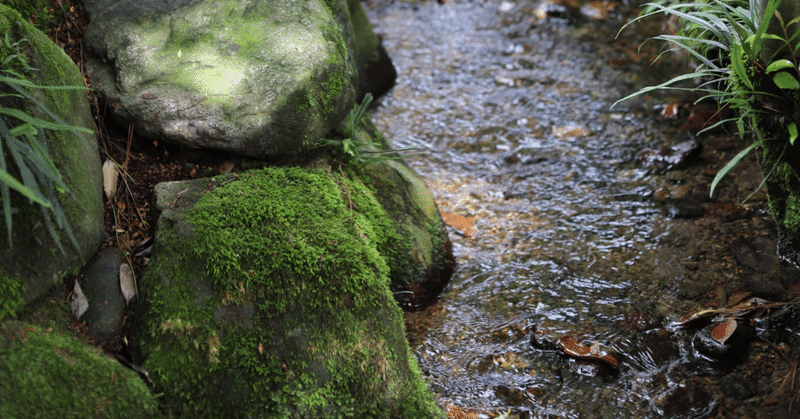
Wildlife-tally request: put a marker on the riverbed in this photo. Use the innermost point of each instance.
(575, 218)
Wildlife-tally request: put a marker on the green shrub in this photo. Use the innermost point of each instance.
(747, 60)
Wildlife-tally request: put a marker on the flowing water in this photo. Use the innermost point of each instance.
(510, 105)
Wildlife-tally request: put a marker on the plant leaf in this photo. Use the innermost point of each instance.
(792, 128)
(785, 80)
(110, 176)
(779, 65)
(79, 303)
(737, 61)
(723, 331)
(727, 168)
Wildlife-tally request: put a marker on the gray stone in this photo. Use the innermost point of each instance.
(100, 285)
(250, 77)
(32, 263)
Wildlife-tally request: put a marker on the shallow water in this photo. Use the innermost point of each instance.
(512, 113)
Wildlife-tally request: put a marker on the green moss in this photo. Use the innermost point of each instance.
(36, 11)
(12, 289)
(75, 157)
(792, 217)
(295, 318)
(46, 373)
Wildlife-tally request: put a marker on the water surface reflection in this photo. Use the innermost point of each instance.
(513, 113)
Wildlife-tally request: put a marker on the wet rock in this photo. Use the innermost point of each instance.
(687, 207)
(545, 338)
(557, 13)
(707, 342)
(686, 400)
(601, 370)
(671, 157)
(376, 73)
(784, 326)
(100, 285)
(650, 351)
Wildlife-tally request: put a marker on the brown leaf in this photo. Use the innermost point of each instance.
(724, 330)
(458, 222)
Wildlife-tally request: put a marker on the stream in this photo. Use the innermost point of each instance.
(584, 220)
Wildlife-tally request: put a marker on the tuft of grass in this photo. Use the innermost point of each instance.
(23, 139)
(746, 55)
(361, 152)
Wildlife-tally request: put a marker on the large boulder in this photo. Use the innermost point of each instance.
(47, 373)
(266, 296)
(376, 73)
(252, 77)
(414, 239)
(32, 263)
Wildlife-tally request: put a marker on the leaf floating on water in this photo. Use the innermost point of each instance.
(127, 283)
(751, 307)
(459, 222)
(724, 330)
(110, 178)
(79, 303)
(576, 348)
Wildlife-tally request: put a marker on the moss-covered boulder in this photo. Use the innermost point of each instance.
(413, 237)
(32, 263)
(266, 297)
(46, 373)
(251, 77)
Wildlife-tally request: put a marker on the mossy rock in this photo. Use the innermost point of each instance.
(32, 263)
(250, 77)
(48, 374)
(411, 234)
(266, 297)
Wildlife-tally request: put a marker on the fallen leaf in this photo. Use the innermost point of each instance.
(79, 303)
(574, 347)
(127, 283)
(458, 222)
(724, 330)
(110, 175)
